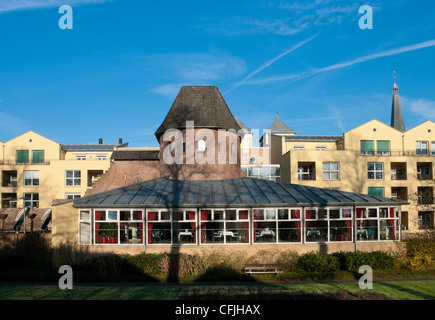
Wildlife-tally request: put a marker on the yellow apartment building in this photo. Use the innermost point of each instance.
(35, 170)
(374, 158)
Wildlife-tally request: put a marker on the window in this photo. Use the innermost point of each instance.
(383, 148)
(101, 157)
(72, 178)
(321, 148)
(424, 170)
(375, 170)
(84, 227)
(425, 220)
(22, 156)
(31, 178)
(331, 171)
(201, 145)
(421, 148)
(277, 225)
(38, 156)
(433, 148)
(367, 148)
(31, 200)
(224, 226)
(80, 157)
(72, 195)
(306, 171)
(376, 191)
(119, 226)
(300, 148)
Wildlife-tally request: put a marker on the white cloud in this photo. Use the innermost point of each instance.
(14, 5)
(420, 106)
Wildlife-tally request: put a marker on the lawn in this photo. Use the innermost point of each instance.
(398, 290)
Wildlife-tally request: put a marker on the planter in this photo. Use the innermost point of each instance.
(112, 240)
(103, 240)
(341, 238)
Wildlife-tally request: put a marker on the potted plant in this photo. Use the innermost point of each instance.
(108, 231)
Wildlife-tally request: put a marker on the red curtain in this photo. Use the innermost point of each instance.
(151, 217)
(97, 225)
(349, 230)
(193, 224)
(391, 222)
(140, 226)
(256, 216)
(244, 215)
(296, 214)
(203, 222)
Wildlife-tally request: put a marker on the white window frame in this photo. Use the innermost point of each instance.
(419, 148)
(34, 176)
(83, 220)
(375, 171)
(33, 203)
(73, 178)
(331, 171)
(72, 195)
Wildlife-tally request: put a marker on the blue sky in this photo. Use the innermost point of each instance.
(117, 72)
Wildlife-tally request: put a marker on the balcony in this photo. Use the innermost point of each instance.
(306, 171)
(424, 171)
(9, 178)
(398, 171)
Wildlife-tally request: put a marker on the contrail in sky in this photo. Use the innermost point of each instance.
(386, 53)
(268, 63)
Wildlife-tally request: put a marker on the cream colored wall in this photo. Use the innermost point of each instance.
(51, 173)
(38, 142)
(309, 145)
(64, 224)
(353, 165)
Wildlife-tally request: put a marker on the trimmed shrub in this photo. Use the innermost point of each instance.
(352, 261)
(318, 262)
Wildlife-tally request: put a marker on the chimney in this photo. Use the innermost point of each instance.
(100, 141)
(120, 140)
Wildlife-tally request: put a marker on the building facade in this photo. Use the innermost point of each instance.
(374, 158)
(191, 204)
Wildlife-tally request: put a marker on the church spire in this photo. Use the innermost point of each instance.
(396, 110)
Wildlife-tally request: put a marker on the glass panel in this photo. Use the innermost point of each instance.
(289, 231)
(38, 156)
(347, 213)
(316, 231)
(334, 214)
(159, 232)
(322, 214)
(112, 215)
(270, 214)
(85, 215)
(264, 232)
(124, 215)
(184, 232)
(237, 232)
(231, 215)
(22, 156)
(283, 214)
(131, 232)
(178, 215)
(218, 215)
(212, 232)
(340, 230)
(137, 215)
(258, 214)
(166, 216)
(106, 232)
(85, 233)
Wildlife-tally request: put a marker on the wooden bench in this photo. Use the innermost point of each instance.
(263, 268)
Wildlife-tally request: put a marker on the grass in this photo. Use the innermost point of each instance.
(398, 290)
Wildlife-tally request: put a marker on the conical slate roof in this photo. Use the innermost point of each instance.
(202, 104)
(396, 111)
(278, 126)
